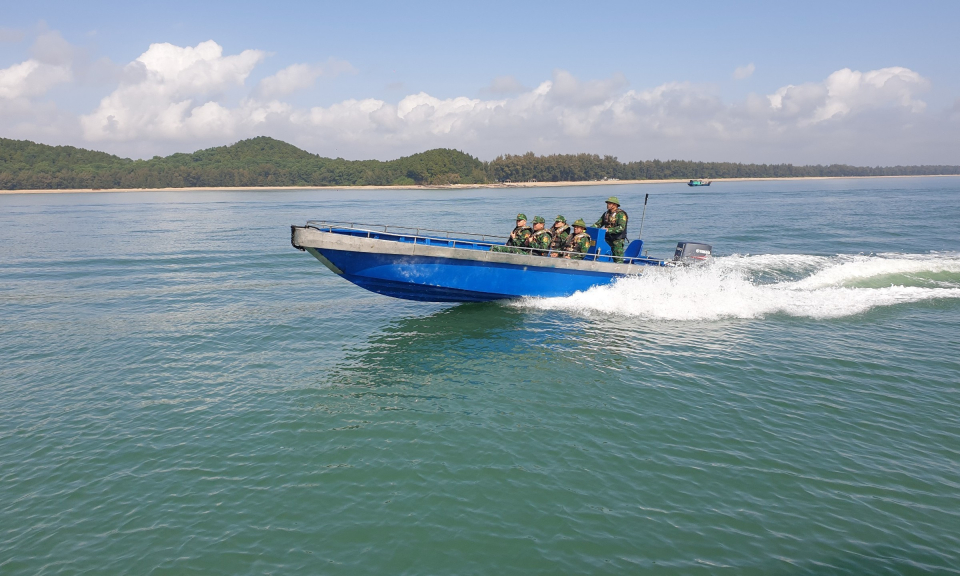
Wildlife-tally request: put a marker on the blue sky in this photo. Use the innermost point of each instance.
(375, 79)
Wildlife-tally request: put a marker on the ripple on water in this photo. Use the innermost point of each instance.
(181, 391)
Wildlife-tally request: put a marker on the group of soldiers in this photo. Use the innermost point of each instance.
(558, 242)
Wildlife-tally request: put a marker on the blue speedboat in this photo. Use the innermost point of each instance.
(699, 183)
(441, 266)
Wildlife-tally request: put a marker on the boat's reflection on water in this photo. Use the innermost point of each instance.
(501, 342)
(458, 342)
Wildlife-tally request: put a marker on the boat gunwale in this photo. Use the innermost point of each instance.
(328, 238)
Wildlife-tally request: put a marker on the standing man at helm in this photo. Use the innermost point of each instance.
(614, 220)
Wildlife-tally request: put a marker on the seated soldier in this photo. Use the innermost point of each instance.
(560, 232)
(540, 239)
(521, 233)
(578, 244)
(518, 237)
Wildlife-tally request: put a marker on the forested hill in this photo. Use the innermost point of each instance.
(258, 161)
(268, 162)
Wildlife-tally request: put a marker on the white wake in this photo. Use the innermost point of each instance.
(757, 286)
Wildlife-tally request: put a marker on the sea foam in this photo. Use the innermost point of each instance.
(758, 286)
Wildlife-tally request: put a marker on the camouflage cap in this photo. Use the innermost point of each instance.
(561, 219)
(613, 200)
(521, 216)
(538, 220)
(580, 223)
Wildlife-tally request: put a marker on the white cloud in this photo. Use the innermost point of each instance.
(299, 76)
(568, 89)
(50, 65)
(871, 113)
(557, 114)
(175, 98)
(157, 99)
(40, 121)
(847, 91)
(31, 78)
(51, 48)
(744, 71)
(27, 109)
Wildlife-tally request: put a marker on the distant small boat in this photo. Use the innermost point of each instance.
(698, 183)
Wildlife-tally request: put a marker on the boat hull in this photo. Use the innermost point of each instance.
(447, 274)
(439, 279)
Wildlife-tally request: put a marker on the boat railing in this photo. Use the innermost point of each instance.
(390, 229)
(404, 232)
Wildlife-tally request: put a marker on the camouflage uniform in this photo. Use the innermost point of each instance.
(615, 222)
(578, 243)
(560, 235)
(518, 237)
(539, 240)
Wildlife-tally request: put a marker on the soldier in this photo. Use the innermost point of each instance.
(520, 234)
(578, 242)
(615, 221)
(560, 232)
(540, 239)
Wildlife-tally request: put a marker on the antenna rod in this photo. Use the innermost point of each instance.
(645, 198)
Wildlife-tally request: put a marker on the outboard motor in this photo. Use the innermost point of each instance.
(692, 252)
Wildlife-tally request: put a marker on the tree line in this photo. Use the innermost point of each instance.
(266, 162)
(581, 167)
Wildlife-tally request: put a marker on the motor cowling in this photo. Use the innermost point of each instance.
(692, 252)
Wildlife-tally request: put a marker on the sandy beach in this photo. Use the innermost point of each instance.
(452, 186)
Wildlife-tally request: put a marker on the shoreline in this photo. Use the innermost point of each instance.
(454, 186)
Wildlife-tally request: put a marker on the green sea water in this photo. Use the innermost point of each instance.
(183, 392)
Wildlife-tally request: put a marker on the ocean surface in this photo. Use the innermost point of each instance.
(182, 392)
